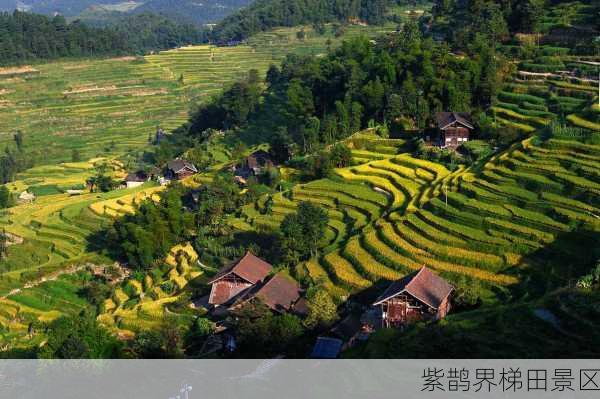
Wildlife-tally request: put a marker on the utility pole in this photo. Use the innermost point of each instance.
(597, 40)
(446, 193)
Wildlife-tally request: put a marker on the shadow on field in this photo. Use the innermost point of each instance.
(560, 263)
(101, 243)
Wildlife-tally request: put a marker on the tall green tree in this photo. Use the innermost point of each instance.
(302, 232)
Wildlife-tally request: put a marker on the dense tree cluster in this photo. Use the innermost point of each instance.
(302, 232)
(25, 37)
(145, 237)
(461, 21)
(191, 10)
(315, 101)
(14, 160)
(231, 109)
(262, 333)
(265, 14)
(153, 230)
(80, 337)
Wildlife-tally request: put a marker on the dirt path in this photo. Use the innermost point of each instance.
(50, 277)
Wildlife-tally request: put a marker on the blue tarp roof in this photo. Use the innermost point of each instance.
(326, 348)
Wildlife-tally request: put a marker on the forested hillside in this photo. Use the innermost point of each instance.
(574, 24)
(313, 101)
(265, 14)
(193, 11)
(26, 37)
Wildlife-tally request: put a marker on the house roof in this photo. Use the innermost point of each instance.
(280, 293)
(138, 177)
(223, 291)
(423, 285)
(177, 165)
(259, 158)
(250, 268)
(326, 348)
(444, 119)
(348, 327)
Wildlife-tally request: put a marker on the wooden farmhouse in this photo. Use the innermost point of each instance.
(454, 128)
(258, 162)
(249, 280)
(136, 179)
(179, 169)
(236, 278)
(419, 296)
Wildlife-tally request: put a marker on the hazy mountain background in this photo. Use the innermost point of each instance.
(197, 11)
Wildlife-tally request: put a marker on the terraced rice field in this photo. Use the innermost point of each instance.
(550, 87)
(351, 207)
(142, 305)
(40, 303)
(278, 42)
(110, 107)
(125, 204)
(55, 228)
(530, 212)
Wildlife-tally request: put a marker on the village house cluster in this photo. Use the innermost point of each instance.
(420, 296)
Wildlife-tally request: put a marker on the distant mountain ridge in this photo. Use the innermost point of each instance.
(199, 12)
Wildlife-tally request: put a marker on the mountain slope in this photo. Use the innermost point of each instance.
(99, 10)
(263, 15)
(67, 8)
(198, 12)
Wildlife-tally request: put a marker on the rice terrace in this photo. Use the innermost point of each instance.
(343, 156)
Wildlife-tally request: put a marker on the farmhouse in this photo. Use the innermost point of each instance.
(255, 164)
(179, 169)
(454, 128)
(249, 280)
(136, 179)
(236, 278)
(420, 296)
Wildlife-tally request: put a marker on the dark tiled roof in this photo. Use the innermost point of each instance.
(301, 307)
(444, 119)
(250, 268)
(137, 177)
(327, 348)
(178, 165)
(259, 159)
(424, 285)
(347, 328)
(280, 293)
